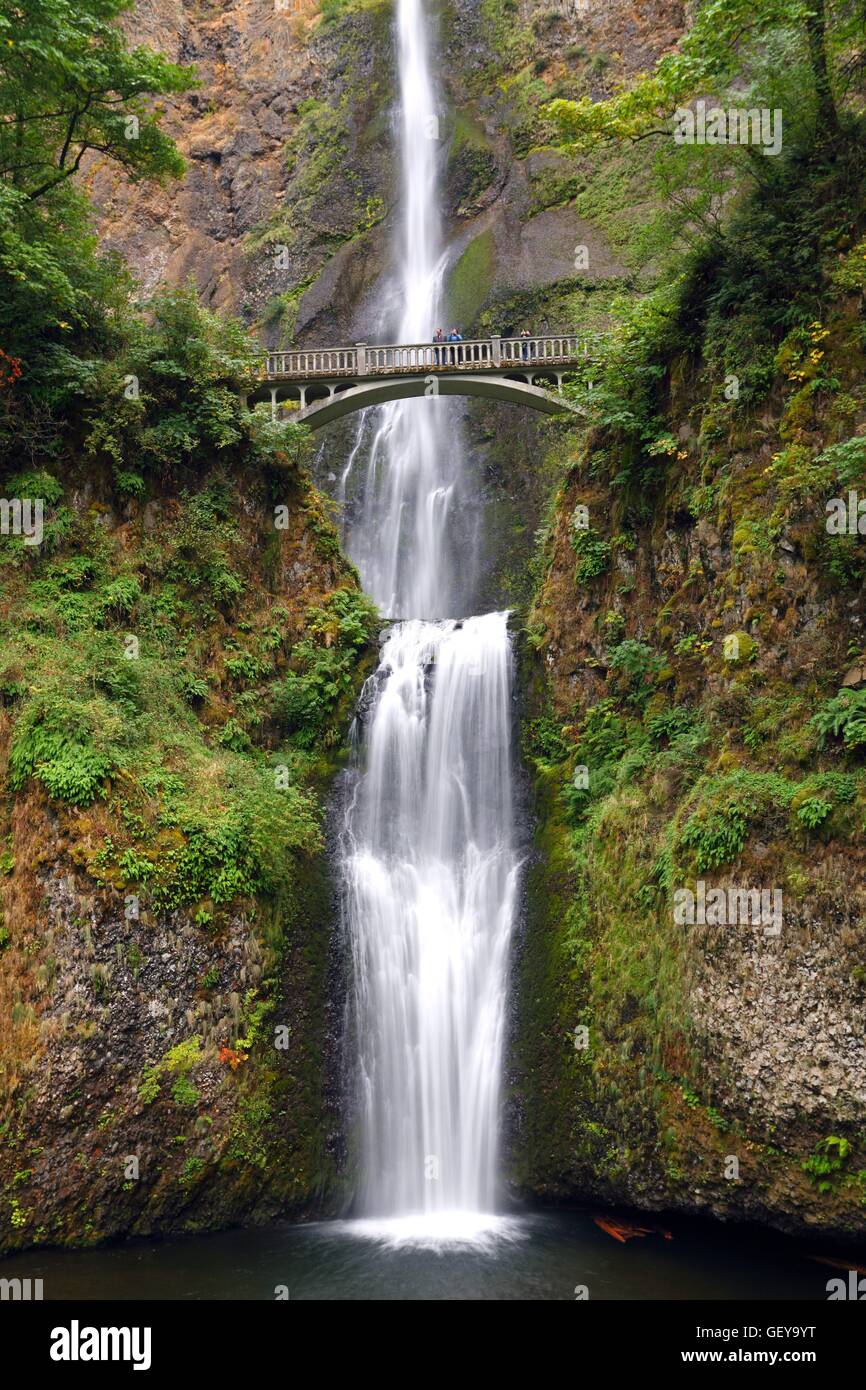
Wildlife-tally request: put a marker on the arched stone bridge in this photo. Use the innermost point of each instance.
(326, 383)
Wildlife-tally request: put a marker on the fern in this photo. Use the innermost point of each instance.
(843, 716)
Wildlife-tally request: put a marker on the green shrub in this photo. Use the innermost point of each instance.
(129, 484)
(593, 554)
(605, 734)
(639, 665)
(245, 666)
(149, 1086)
(177, 1063)
(847, 460)
(192, 1171)
(843, 716)
(669, 724)
(827, 1162)
(324, 665)
(35, 483)
(121, 595)
(183, 1092)
(716, 832)
(814, 812)
(50, 742)
(193, 688)
(544, 742)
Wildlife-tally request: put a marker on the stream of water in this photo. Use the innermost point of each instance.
(429, 864)
(431, 877)
(400, 533)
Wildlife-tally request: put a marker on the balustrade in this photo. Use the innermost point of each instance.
(394, 359)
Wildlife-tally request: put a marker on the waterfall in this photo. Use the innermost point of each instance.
(430, 875)
(399, 536)
(428, 858)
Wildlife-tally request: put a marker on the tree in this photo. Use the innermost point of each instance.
(722, 46)
(70, 84)
(816, 30)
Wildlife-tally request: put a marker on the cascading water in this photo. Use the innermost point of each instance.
(399, 535)
(429, 862)
(431, 876)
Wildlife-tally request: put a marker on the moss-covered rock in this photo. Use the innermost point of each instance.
(193, 654)
(470, 280)
(687, 749)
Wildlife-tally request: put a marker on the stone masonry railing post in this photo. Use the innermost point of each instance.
(496, 340)
(361, 359)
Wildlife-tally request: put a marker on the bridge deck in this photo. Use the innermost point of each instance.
(487, 355)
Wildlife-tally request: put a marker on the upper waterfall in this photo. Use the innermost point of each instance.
(400, 535)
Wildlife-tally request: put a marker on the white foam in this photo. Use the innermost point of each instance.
(437, 1230)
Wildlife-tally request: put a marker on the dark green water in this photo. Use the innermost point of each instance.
(539, 1256)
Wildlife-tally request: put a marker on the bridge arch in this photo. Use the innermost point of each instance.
(321, 403)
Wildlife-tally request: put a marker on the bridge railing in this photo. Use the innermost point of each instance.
(473, 354)
(313, 362)
(539, 350)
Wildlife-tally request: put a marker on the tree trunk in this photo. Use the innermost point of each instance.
(816, 29)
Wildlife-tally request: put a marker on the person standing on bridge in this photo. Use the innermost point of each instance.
(438, 337)
(524, 333)
(455, 336)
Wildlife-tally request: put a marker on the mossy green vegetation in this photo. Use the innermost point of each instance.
(694, 723)
(180, 649)
(134, 675)
(472, 164)
(470, 281)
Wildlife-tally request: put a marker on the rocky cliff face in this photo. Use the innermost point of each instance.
(287, 150)
(286, 211)
(168, 964)
(136, 1111)
(686, 641)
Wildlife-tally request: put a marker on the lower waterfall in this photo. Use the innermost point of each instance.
(430, 873)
